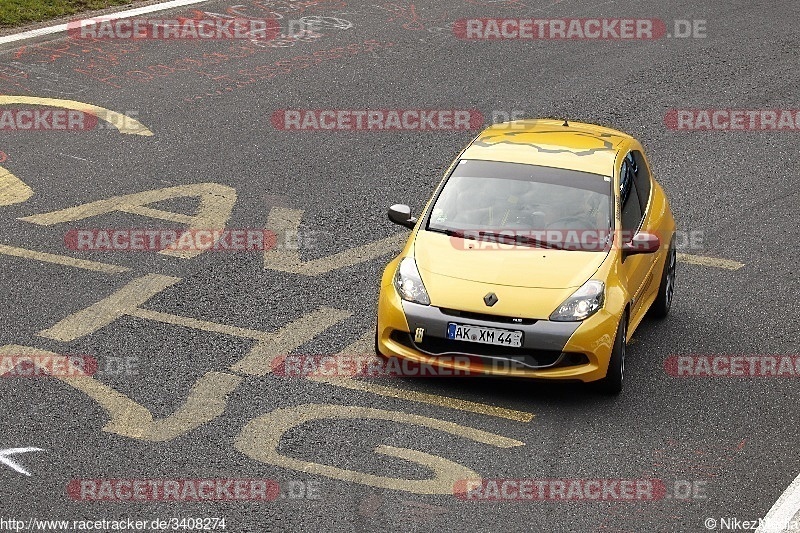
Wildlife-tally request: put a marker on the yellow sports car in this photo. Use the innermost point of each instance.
(538, 255)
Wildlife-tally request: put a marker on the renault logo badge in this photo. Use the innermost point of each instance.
(490, 299)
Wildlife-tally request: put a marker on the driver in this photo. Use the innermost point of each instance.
(577, 210)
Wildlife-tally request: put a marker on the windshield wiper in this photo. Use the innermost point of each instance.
(448, 232)
(499, 237)
(520, 239)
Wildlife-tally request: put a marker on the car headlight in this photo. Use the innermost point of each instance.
(409, 284)
(582, 304)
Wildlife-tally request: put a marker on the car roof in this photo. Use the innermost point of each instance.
(578, 146)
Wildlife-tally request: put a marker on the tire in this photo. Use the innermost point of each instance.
(615, 376)
(377, 350)
(666, 291)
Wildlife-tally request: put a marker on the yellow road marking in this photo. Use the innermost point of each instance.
(204, 325)
(258, 362)
(62, 260)
(143, 211)
(12, 189)
(432, 399)
(261, 437)
(715, 262)
(124, 301)
(123, 123)
(216, 205)
(282, 220)
(364, 345)
(208, 397)
(206, 401)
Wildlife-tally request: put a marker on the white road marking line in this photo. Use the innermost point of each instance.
(111, 16)
(76, 157)
(13, 464)
(784, 514)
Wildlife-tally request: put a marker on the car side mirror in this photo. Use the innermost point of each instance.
(641, 243)
(401, 214)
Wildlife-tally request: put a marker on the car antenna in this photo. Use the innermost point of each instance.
(565, 124)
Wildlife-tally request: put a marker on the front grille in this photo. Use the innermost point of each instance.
(487, 317)
(437, 346)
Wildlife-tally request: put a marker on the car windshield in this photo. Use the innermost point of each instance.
(524, 204)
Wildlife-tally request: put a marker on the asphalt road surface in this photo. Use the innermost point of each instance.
(184, 389)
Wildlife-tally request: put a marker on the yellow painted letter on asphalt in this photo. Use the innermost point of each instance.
(216, 204)
(283, 220)
(125, 301)
(206, 401)
(123, 123)
(12, 189)
(260, 439)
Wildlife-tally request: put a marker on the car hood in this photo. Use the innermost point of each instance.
(518, 266)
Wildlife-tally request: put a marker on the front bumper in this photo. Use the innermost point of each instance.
(577, 351)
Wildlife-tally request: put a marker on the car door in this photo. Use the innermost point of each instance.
(634, 195)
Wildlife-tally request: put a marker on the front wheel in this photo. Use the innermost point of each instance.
(666, 290)
(612, 383)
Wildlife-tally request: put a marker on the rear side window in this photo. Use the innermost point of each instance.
(641, 177)
(629, 195)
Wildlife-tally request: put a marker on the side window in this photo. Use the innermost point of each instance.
(629, 196)
(641, 177)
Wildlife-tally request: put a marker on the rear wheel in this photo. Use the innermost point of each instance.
(666, 290)
(612, 383)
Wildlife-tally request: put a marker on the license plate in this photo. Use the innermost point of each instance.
(500, 337)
